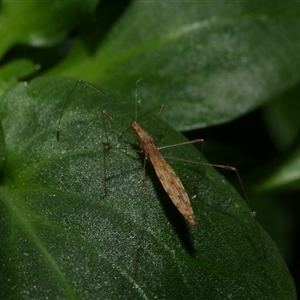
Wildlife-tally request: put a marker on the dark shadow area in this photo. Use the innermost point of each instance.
(286, 231)
(44, 57)
(107, 14)
(247, 143)
(1, 177)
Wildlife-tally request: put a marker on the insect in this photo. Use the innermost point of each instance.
(166, 175)
(169, 180)
(164, 172)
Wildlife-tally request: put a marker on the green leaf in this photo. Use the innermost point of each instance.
(282, 118)
(11, 72)
(62, 238)
(283, 173)
(40, 23)
(208, 61)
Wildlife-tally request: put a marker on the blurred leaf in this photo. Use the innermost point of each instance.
(283, 173)
(208, 61)
(279, 216)
(22, 67)
(61, 238)
(282, 118)
(40, 23)
(13, 71)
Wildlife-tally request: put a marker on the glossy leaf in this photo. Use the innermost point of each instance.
(281, 174)
(11, 72)
(208, 61)
(131, 243)
(39, 23)
(282, 118)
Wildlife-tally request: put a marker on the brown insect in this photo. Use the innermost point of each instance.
(165, 174)
(169, 179)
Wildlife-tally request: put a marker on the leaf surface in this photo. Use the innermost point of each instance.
(131, 243)
(209, 61)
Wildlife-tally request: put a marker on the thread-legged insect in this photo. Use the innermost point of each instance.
(164, 172)
(166, 175)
